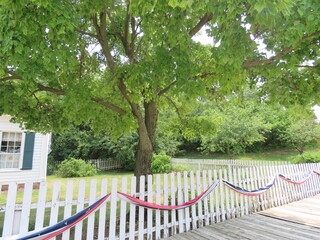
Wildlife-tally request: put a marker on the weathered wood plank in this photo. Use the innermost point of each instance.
(258, 226)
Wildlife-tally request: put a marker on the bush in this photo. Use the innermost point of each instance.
(76, 168)
(181, 168)
(308, 158)
(161, 163)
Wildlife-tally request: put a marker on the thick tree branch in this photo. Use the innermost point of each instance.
(175, 107)
(9, 78)
(102, 33)
(166, 89)
(135, 108)
(109, 105)
(206, 18)
(285, 51)
(49, 89)
(12, 77)
(94, 99)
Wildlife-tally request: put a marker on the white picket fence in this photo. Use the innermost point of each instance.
(215, 164)
(106, 164)
(102, 164)
(119, 220)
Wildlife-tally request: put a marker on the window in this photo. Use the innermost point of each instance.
(10, 152)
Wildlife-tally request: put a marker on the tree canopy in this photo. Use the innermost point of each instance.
(118, 63)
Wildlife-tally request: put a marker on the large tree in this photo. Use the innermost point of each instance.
(117, 63)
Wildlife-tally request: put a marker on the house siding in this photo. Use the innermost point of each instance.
(38, 171)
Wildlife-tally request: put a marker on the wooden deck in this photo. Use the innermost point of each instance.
(298, 220)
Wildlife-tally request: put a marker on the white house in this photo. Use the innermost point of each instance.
(23, 154)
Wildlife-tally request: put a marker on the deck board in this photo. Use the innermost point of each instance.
(299, 220)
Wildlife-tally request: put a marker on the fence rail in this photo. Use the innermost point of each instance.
(118, 220)
(102, 164)
(107, 164)
(212, 164)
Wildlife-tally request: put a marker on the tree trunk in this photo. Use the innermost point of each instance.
(146, 132)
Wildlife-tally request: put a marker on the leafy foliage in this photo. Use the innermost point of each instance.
(76, 168)
(299, 132)
(181, 168)
(161, 163)
(242, 124)
(308, 158)
(117, 64)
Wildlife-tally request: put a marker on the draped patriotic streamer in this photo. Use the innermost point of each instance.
(145, 204)
(253, 192)
(66, 224)
(307, 176)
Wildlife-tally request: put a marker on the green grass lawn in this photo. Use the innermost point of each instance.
(275, 155)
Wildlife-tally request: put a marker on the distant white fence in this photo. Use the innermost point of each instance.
(102, 164)
(107, 164)
(119, 220)
(215, 164)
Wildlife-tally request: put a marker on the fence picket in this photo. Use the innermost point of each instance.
(123, 210)
(149, 211)
(92, 199)
(68, 207)
(103, 209)
(193, 195)
(241, 197)
(205, 200)
(80, 206)
(232, 198)
(186, 199)
(113, 210)
(217, 200)
(245, 172)
(165, 202)
(132, 222)
(173, 202)
(180, 201)
(55, 204)
(226, 191)
(158, 214)
(141, 209)
(199, 191)
(25, 213)
(222, 203)
(9, 213)
(41, 205)
(211, 203)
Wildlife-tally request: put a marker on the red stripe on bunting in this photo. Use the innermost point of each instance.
(161, 207)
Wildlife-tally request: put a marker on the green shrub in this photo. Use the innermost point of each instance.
(308, 158)
(76, 168)
(181, 168)
(161, 163)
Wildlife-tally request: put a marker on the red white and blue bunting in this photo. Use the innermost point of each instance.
(59, 228)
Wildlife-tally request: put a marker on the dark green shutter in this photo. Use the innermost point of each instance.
(28, 151)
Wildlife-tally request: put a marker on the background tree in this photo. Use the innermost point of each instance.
(118, 63)
(300, 130)
(242, 123)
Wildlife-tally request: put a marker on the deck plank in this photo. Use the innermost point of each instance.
(299, 220)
